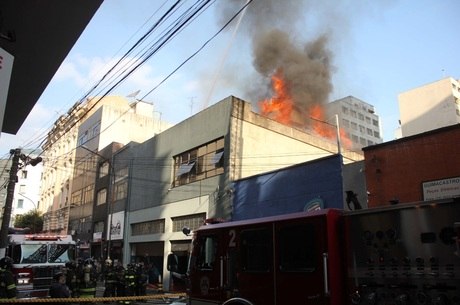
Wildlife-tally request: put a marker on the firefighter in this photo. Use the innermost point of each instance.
(141, 279)
(130, 281)
(7, 283)
(120, 281)
(70, 271)
(59, 288)
(110, 279)
(88, 280)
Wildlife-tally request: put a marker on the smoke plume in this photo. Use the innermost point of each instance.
(272, 28)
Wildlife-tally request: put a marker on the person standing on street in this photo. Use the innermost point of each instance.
(7, 283)
(59, 288)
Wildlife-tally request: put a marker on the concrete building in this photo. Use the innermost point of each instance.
(59, 151)
(429, 107)
(114, 124)
(184, 175)
(358, 119)
(421, 167)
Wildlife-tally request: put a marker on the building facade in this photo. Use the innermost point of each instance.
(358, 119)
(429, 107)
(101, 134)
(184, 175)
(425, 166)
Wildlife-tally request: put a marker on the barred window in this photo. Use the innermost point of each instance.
(148, 227)
(191, 221)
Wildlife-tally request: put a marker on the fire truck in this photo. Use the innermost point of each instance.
(36, 258)
(400, 254)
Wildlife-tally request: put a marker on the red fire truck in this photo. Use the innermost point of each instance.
(402, 254)
(36, 258)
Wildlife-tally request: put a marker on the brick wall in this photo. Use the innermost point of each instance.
(396, 170)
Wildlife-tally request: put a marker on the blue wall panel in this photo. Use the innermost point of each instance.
(289, 190)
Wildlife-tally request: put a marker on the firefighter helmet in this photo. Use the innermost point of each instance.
(108, 262)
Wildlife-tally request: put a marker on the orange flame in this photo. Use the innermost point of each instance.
(279, 107)
(327, 130)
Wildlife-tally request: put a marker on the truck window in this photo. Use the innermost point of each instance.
(297, 248)
(256, 250)
(34, 254)
(207, 256)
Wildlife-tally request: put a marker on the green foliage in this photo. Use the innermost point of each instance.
(32, 219)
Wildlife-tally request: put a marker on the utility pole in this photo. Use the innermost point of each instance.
(17, 156)
(9, 201)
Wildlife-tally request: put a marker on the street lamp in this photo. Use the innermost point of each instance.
(111, 174)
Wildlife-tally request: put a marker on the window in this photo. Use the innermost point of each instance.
(375, 123)
(361, 116)
(101, 197)
(24, 174)
(199, 163)
(83, 138)
(346, 122)
(89, 194)
(104, 169)
(354, 126)
(22, 189)
(121, 190)
(369, 131)
(207, 253)
(76, 198)
(191, 221)
(344, 110)
(20, 204)
(376, 134)
(362, 129)
(368, 120)
(355, 138)
(363, 141)
(256, 250)
(353, 113)
(99, 226)
(148, 227)
(296, 256)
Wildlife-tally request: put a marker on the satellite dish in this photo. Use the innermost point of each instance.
(134, 94)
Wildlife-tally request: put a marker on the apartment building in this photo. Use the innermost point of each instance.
(358, 119)
(429, 107)
(184, 175)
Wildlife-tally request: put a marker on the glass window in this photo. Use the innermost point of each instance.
(207, 254)
(297, 256)
(104, 169)
(101, 197)
(256, 250)
(20, 203)
(199, 163)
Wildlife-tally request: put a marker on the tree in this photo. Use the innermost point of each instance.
(32, 219)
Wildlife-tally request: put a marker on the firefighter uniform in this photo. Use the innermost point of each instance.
(110, 279)
(7, 283)
(70, 271)
(87, 280)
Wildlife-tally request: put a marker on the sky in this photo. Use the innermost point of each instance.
(372, 50)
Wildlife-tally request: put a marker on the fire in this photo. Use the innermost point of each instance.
(325, 129)
(279, 107)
